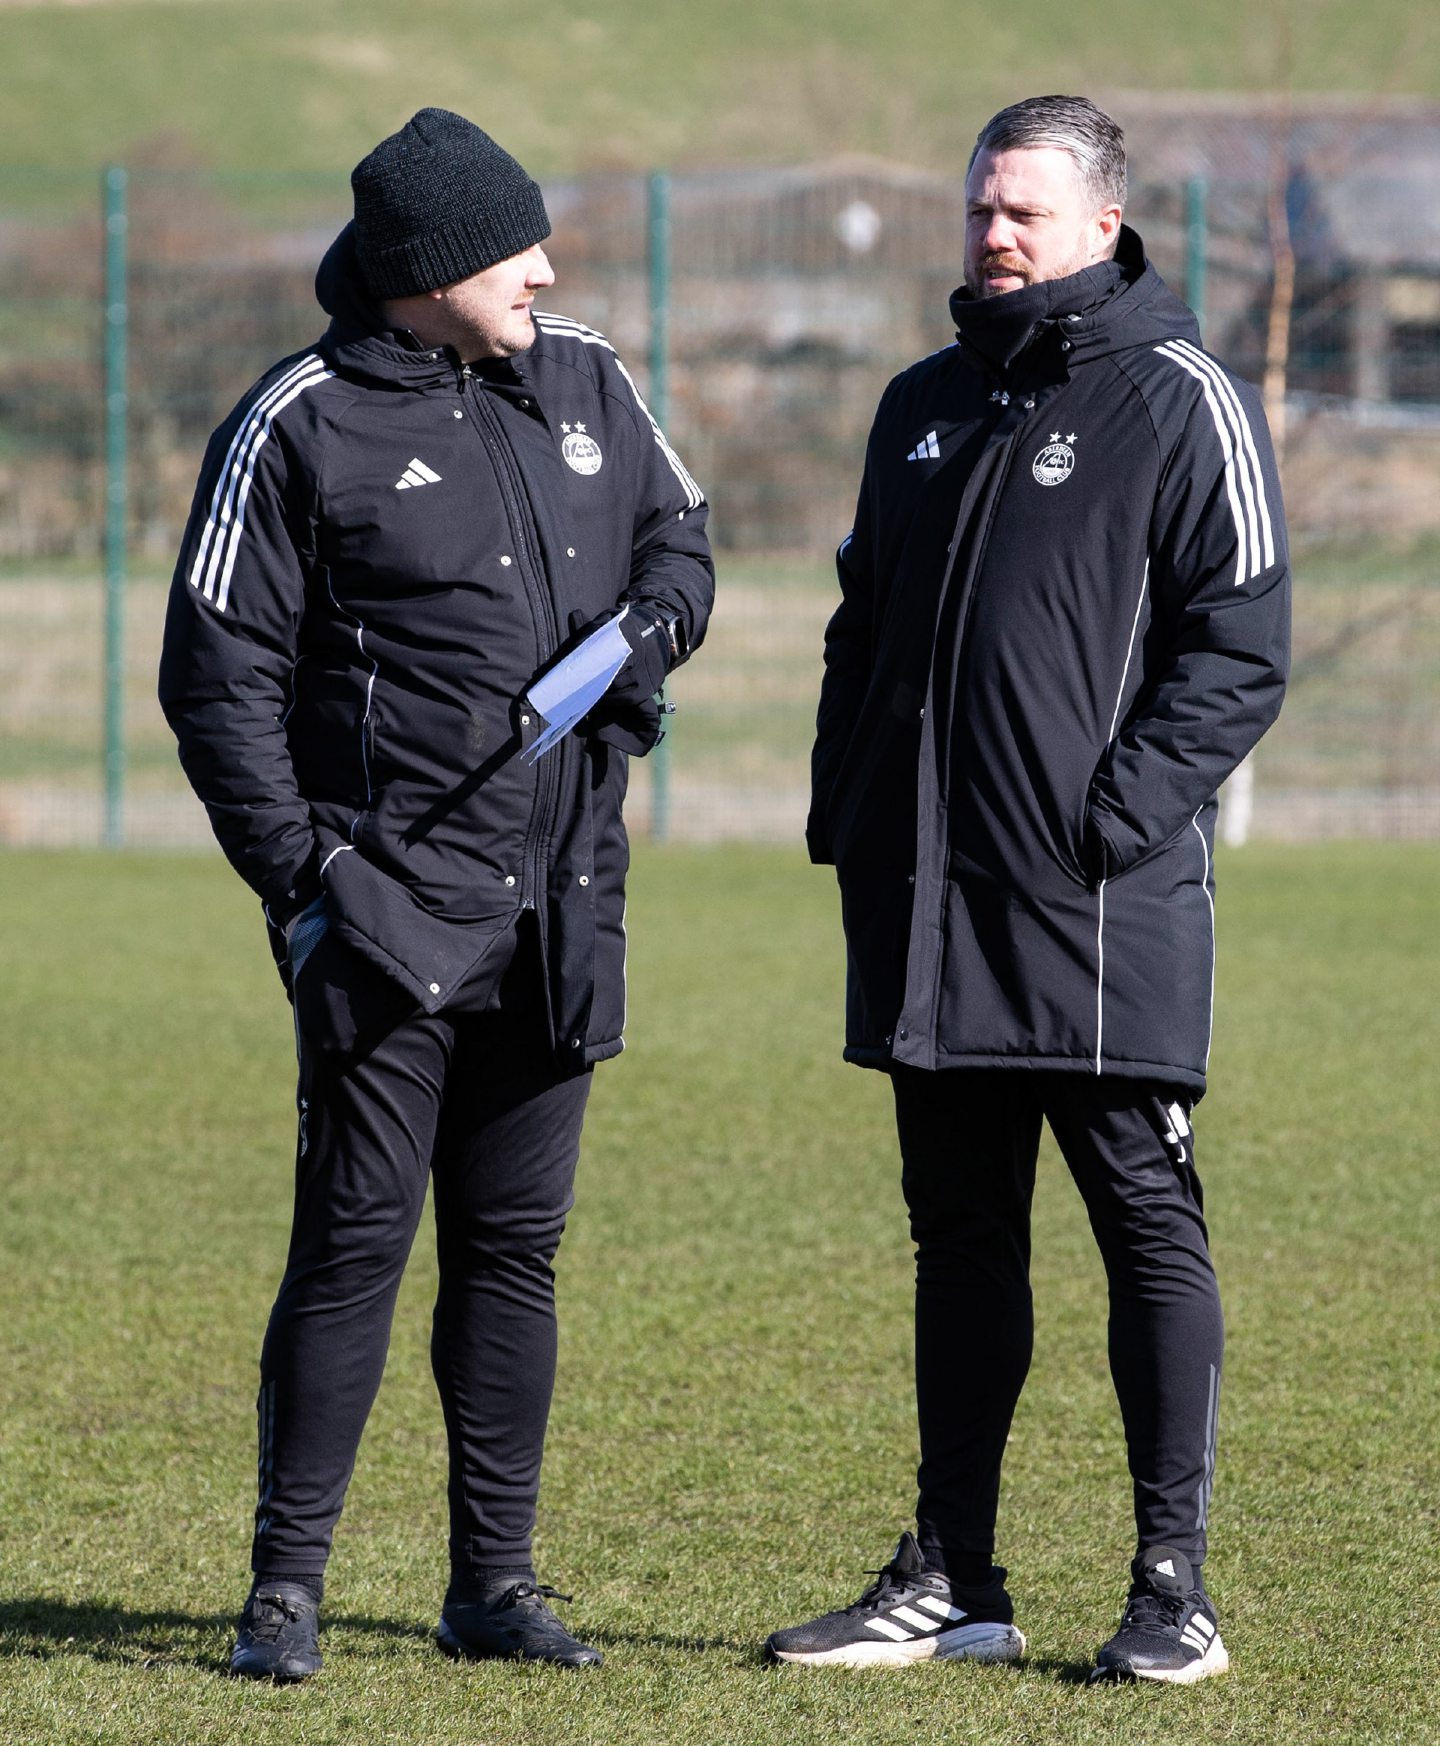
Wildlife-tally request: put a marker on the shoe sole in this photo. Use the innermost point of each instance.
(451, 1645)
(986, 1643)
(1214, 1661)
(276, 1675)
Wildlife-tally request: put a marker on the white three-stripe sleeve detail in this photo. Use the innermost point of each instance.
(562, 327)
(1227, 448)
(1247, 436)
(206, 568)
(231, 537)
(1243, 459)
(229, 471)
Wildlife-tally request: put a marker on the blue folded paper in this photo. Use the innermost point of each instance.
(573, 687)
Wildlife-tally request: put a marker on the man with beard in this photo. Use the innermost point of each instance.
(1064, 622)
(395, 533)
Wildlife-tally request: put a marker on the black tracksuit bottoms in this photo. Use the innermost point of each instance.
(969, 1142)
(475, 1100)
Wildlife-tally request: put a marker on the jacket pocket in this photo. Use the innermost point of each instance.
(329, 738)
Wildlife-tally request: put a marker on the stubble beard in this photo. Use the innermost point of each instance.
(1023, 270)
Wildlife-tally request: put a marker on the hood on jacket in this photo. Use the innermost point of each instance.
(1106, 307)
(359, 342)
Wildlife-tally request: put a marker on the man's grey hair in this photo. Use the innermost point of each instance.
(1073, 124)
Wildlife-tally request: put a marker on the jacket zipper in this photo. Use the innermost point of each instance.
(1000, 400)
(543, 614)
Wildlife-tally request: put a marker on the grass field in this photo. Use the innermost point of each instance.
(264, 85)
(732, 1441)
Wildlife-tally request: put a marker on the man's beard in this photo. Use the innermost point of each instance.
(1021, 269)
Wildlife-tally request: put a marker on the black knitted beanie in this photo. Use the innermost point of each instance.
(437, 202)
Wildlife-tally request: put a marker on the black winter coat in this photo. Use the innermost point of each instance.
(386, 548)
(1064, 621)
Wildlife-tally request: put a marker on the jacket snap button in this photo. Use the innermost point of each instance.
(525, 403)
(524, 721)
(457, 413)
(584, 879)
(910, 880)
(574, 1042)
(505, 562)
(434, 987)
(1064, 345)
(569, 551)
(509, 878)
(904, 1034)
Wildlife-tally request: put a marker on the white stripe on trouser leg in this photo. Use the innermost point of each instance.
(1212, 1433)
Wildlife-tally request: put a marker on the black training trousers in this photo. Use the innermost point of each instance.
(474, 1099)
(969, 1141)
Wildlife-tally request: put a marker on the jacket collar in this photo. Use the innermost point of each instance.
(1115, 303)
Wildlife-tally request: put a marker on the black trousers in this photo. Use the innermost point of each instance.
(475, 1100)
(969, 1142)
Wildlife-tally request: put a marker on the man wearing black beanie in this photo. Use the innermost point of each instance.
(394, 536)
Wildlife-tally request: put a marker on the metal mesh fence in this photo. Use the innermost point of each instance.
(790, 298)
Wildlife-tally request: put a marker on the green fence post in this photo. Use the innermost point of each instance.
(1197, 238)
(117, 224)
(658, 233)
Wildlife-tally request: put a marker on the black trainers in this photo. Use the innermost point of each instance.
(512, 1622)
(907, 1615)
(279, 1634)
(1169, 1631)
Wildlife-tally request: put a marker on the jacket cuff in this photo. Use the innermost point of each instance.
(817, 843)
(281, 911)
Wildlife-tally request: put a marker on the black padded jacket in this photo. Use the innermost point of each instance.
(1064, 622)
(386, 548)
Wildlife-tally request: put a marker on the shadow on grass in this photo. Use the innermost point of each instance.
(745, 1651)
(1062, 1672)
(37, 1628)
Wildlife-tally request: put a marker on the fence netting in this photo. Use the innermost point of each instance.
(790, 299)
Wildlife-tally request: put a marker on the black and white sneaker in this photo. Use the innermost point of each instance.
(1169, 1631)
(511, 1622)
(907, 1614)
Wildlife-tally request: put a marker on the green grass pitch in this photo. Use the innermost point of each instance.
(732, 1442)
(261, 85)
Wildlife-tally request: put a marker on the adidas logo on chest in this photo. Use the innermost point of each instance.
(416, 474)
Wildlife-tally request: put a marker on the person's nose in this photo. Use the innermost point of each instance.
(999, 235)
(539, 273)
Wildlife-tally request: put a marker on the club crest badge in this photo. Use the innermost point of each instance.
(580, 450)
(1056, 461)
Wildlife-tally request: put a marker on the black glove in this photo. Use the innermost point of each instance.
(627, 716)
(650, 655)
